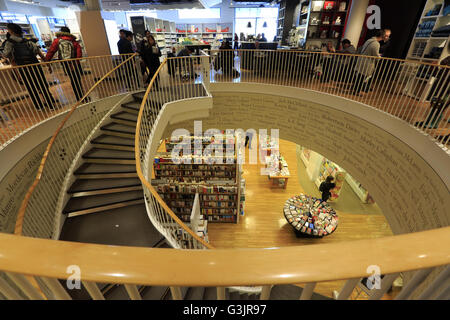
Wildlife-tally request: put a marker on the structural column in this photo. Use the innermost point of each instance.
(92, 29)
(356, 20)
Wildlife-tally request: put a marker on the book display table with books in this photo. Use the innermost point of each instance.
(310, 216)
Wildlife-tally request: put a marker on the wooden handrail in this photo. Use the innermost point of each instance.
(66, 60)
(24, 204)
(139, 168)
(336, 54)
(225, 267)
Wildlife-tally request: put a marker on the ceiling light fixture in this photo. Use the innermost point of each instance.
(249, 24)
(265, 24)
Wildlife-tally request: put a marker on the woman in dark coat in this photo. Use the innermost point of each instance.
(150, 53)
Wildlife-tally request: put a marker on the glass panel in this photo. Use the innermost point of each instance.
(241, 26)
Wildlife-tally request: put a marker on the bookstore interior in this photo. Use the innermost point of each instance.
(227, 192)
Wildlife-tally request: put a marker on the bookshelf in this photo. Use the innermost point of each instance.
(219, 186)
(328, 168)
(162, 30)
(321, 21)
(428, 45)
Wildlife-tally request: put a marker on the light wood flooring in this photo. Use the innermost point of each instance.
(264, 225)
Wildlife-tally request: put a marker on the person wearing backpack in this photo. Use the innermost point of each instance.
(22, 52)
(365, 67)
(67, 48)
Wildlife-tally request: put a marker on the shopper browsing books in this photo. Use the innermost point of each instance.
(325, 188)
(150, 53)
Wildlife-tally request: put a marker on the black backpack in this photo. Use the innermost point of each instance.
(23, 52)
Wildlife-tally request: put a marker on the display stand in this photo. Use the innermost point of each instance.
(310, 216)
(278, 170)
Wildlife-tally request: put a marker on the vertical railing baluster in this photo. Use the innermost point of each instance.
(347, 289)
(308, 291)
(412, 284)
(133, 292)
(25, 285)
(220, 293)
(93, 290)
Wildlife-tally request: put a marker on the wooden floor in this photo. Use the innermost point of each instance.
(264, 225)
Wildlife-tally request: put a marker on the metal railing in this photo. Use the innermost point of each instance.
(415, 92)
(176, 79)
(34, 93)
(420, 251)
(38, 214)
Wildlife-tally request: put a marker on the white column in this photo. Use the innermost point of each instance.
(355, 21)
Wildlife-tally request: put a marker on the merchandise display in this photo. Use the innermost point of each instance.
(310, 216)
(278, 170)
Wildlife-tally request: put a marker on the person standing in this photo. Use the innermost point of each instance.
(347, 47)
(365, 67)
(125, 47)
(325, 188)
(236, 42)
(124, 44)
(68, 49)
(22, 52)
(263, 38)
(150, 53)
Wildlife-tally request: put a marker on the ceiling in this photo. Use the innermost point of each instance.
(125, 5)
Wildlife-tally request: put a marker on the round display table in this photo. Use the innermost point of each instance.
(310, 216)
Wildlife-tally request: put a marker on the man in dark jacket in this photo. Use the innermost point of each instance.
(125, 47)
(124, 44)
(326, 186)
(67, 48)
(22, 52)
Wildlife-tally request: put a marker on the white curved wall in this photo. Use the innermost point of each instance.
(404, 170)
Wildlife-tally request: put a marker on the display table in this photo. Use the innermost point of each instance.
(310, 216)
(278, 170)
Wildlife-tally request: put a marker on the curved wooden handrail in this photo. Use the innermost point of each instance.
(336, 54)
(225, 267)
(66, 60)
(139, 168)
(24, 204)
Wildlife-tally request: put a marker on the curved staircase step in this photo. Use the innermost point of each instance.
(128, 226)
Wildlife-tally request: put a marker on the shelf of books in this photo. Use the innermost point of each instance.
(217, 180)
(328, 168)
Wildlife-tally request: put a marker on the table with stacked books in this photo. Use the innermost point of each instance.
(310, 216)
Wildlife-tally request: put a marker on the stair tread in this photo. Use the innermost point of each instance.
(210, 293)
(134, 228)
(123, 115)
(97, 153)
(132, 105)
(291, 292)
(97, 201)
(195, 293)
(117, 127)
(115, 140)
(96, 168)
(81, 185)
(154, 293)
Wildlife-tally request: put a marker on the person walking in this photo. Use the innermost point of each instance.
(68, 49)
(150, 53)
(325, 188)
(23, 52)
(365, 67)
(125, 47)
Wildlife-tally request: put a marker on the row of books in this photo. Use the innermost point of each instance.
(192, 179)
(215, 167)
(198, 159)
(191, 173)
(217, 204)
(221, 218)
(195, 188)
(228, 211)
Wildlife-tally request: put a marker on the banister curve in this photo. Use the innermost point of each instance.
(24, 204)
(265, 266)
(139, 169)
